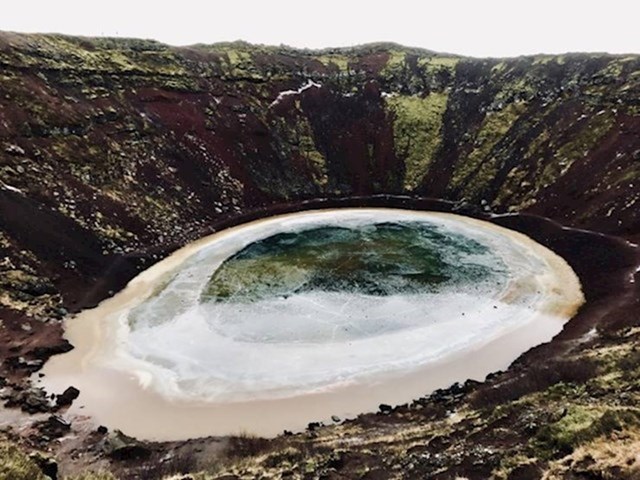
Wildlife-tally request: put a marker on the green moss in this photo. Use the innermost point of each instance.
(630, 174)
(518, 90)
(92, 476)
(181, 84)
(517, 184)
(580, 425)
(561, 391)
(316, 161)
(565, 434)
(58, 52)
(297, 136)
(544, 59)
(238, 60)
(417, 132)
(15, 465)
(613, 70)
(508, 464)
(473, 172)
(433, 64)
(395, 70)
(579, 145)
(396, 59)
(340, 61)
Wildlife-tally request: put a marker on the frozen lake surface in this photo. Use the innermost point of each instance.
(322, 302)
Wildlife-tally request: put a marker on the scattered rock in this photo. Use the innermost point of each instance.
(33, 400)
(15, 150)
(38, 287)
(559, 414)
(449, 396)
(584, 464)
(122, 447)
(471, 385)
(438, 444)
(385, 409)
(67, 397)
(102, 430)
(16, 363)
(47, 465)
(313, 426)
(335, 418)
(493, 375)
(54, 427)
(336, 461)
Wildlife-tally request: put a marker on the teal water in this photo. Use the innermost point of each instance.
(379, 259)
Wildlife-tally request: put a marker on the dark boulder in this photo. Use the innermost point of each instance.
(54, 427)
(312, 426)
(67, 397)
(119, 446)
(17, 363)
(43, 353)
(47, 465)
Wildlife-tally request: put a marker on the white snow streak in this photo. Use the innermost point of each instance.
(9, 187)
(286, 93)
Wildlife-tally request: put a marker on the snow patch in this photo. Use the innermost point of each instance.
(10, 188)
(286, 93)
(590, 335)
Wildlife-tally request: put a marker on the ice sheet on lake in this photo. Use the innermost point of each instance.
(313, 341)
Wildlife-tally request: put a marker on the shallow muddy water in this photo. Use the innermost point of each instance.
(291, 319)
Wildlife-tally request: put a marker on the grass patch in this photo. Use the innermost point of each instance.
(580, 425)
(477, 170)
(15, 465)
(93, 476)
(246, 445)
(417, 132)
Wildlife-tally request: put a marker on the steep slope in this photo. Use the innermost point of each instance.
(114, 152)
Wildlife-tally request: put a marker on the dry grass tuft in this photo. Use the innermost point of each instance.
(15, 465)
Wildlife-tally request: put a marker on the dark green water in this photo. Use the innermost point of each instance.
(376, 259)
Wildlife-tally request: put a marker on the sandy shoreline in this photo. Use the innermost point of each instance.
(146, 414)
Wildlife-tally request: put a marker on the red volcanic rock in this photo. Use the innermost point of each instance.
(113, 153)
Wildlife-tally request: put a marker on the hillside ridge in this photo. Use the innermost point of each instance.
(114, 152)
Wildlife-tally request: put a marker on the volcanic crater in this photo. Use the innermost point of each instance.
(115, 153)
